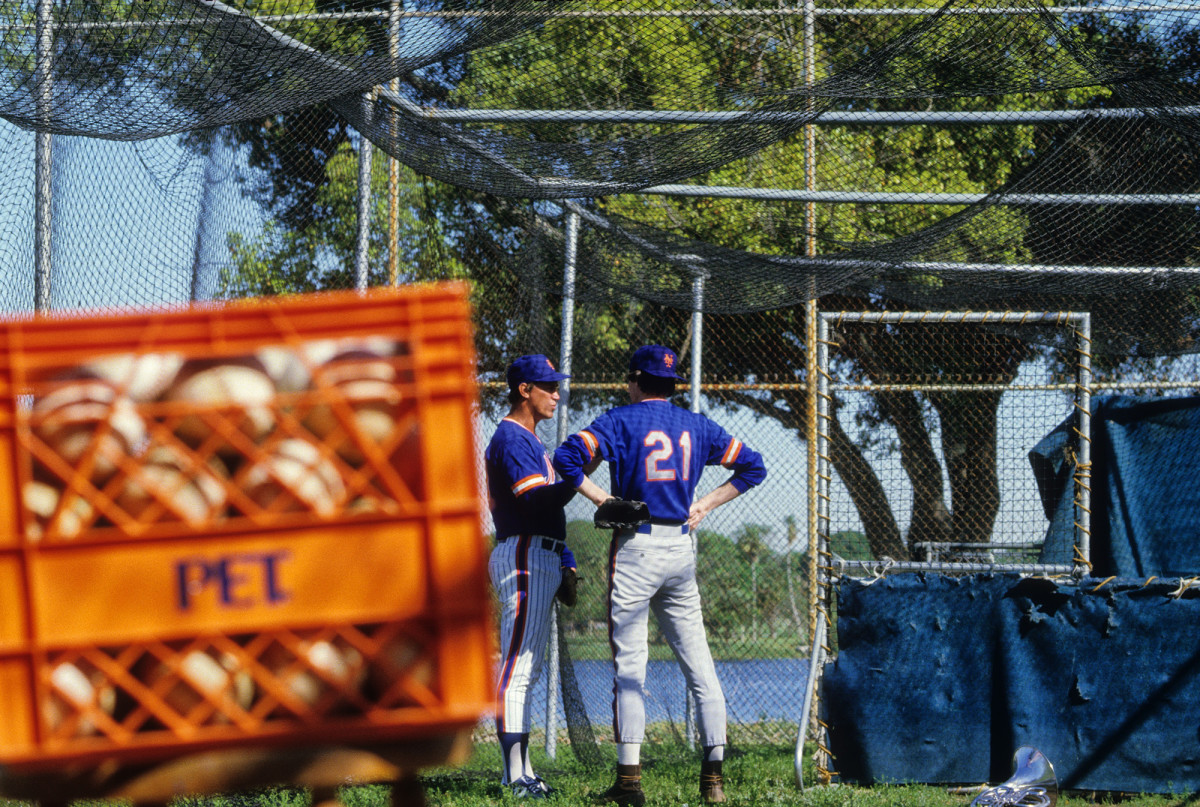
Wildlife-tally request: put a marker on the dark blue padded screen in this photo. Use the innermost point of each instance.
(1145, 481)
(939, 680)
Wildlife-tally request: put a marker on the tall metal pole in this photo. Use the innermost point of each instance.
(564, 398)
(694, 387)
(43, 154)
(810, 250)
(812, 371)
(697, 338)
(361, 257)
(568, 321)
(393, 261)
(1083, 463)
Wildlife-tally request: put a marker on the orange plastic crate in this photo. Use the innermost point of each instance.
(246, 524)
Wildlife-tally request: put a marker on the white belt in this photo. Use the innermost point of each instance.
(663, 530)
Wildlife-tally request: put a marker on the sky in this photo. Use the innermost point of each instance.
(131, 220)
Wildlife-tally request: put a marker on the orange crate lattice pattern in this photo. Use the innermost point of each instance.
(251, 523)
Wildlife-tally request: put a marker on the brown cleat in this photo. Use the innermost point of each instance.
(627, 790)
(712, 783)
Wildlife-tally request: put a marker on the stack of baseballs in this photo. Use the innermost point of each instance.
(361, 375)
(90, 425)
(168, 486)
(56, 511)
(294, 475)
(237, 391)
(167, 438)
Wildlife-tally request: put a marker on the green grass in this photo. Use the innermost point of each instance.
(754, 774)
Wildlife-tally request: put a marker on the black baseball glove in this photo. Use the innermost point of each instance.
(621, 514)
(568, 589)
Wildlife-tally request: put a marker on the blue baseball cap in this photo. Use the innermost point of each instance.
(535, 368)
(655, 360)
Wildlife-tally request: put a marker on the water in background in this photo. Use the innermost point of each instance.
(755, 690)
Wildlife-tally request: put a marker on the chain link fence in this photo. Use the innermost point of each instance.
(270, 203)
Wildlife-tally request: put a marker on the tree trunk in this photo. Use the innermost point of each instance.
(867, 493)
(860, 479)
(930, 519)
(969, 445)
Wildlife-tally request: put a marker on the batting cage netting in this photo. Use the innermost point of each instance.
(711, 175)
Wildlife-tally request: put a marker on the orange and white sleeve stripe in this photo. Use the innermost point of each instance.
(731, 452)
(529, 483)
(590, 442)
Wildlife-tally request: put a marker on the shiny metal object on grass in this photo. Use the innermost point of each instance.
(1032, 784)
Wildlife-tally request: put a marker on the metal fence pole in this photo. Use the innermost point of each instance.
(564, 393)
(694, 390)
(1083, 465)
(43, 153)
(361, 261)
(393, 259)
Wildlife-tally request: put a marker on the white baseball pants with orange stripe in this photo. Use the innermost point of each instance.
(657, 572)
(525, 577)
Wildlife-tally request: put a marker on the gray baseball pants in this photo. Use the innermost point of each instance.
(657, 572)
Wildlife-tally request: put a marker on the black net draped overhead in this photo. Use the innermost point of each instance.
(1010, 153)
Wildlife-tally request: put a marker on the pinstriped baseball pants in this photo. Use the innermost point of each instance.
(525, 577)
(658, 573)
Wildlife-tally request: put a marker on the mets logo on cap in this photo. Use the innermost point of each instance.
(654, 360)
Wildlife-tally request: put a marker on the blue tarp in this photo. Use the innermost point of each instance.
(1145, 484)
(940, 680)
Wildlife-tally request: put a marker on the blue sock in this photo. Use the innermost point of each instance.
(511, 753)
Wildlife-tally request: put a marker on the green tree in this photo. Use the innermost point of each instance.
(724, 585)
(613, 65)
(702, 63)
(590, 546)
(752, 544)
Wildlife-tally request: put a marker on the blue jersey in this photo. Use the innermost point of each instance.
(517, 464)
(656, 452)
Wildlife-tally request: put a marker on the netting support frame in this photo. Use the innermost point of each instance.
(43, 159)
(822, 566)
(566, 348)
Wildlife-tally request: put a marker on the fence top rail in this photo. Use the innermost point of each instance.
(928, 317)
(879, 570)
(831, 117)
(796, 386)
(939, 545)
(951, 387)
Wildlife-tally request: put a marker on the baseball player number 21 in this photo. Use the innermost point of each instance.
(663, 452)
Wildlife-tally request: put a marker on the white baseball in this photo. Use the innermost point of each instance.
(68, 419)
(142, 378)
(42, 501)
(201, 676)
(194, 494)
(213, 385)
(285, 368)
(295, 476)
(76, 688)
(366, 380)
(321, 666)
